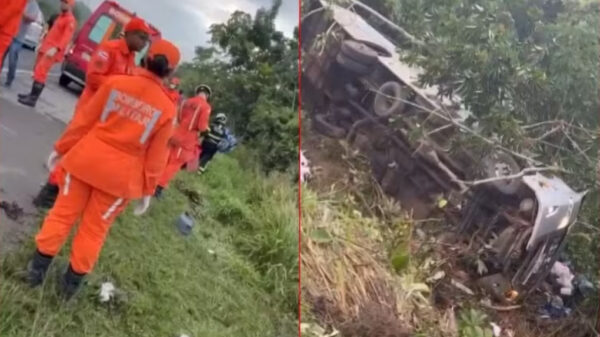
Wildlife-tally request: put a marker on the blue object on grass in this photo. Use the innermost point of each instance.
(185, 224)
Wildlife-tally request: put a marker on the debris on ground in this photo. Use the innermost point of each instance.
(436, 277)
(314, 330)
(498, 287)
(107, 291)
(555, 308)
(13, 210)
(185, 223)
(462, 287)
(564, 277)
(305, 172)
(496, 329)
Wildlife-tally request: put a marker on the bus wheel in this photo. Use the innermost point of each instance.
(352, 65)
(359, 52)
(390, 99)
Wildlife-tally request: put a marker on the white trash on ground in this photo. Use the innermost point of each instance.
(497, 330)
(107, 291)
(564, 277)
(305, 172)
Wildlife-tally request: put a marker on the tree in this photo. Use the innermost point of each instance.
(253, 70)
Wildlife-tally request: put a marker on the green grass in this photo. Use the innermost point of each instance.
(172, 284)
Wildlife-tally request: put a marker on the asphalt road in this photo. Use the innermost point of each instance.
(26, 139)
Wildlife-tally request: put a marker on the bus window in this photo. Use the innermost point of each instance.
(100, 28)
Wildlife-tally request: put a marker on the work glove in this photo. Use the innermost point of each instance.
(51, 52)
(52, 161)
(142, 206)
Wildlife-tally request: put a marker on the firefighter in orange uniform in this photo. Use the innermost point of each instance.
(11, 14)
(114, 152)
(193, 121)
(114, 57)
(51, 51)
(174, 89)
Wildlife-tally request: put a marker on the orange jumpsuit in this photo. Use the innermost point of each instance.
(175, 96)
(59, 36)
(11, 14)
(115, 151)
(110, 58)
(194, 118)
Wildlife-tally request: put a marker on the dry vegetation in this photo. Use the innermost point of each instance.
(351, 232)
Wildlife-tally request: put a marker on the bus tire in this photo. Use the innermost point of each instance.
(389, 99)
(496, 161)
(359, 52)
(352, 65)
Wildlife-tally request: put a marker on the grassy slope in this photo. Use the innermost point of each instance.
(173, 284)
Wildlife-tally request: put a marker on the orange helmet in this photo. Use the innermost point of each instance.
(166, 48)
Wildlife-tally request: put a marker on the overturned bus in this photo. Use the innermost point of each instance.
(356, 87)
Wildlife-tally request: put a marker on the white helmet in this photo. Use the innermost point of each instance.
(221, 117)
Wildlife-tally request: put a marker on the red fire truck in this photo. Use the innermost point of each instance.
(106, 23)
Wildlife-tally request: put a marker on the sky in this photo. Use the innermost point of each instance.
(186, 22)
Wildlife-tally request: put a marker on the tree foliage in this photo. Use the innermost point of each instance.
(253, 70)
(527, 70)
(81, 11)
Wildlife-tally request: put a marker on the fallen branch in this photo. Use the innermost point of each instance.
(432, 155)
(441, 128)
(394, 26)
(535, 125)
(513, 176)
(462, 126)
(501, 308)
(588, 226)
(578, 148)
(462, 287)
(314, 11)
(548, 133)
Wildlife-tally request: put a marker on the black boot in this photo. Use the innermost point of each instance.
(31, 99)
(22, 96)
(158, 193)
(70, 284)
(37, 268)
(46, 197)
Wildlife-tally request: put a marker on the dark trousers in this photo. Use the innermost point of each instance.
(13, 57)
(208, 152)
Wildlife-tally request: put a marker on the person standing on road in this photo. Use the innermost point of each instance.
(32, 10)
(195, 114)
(114, 57)
(51, 51)
(11, 14)
(115, 152)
